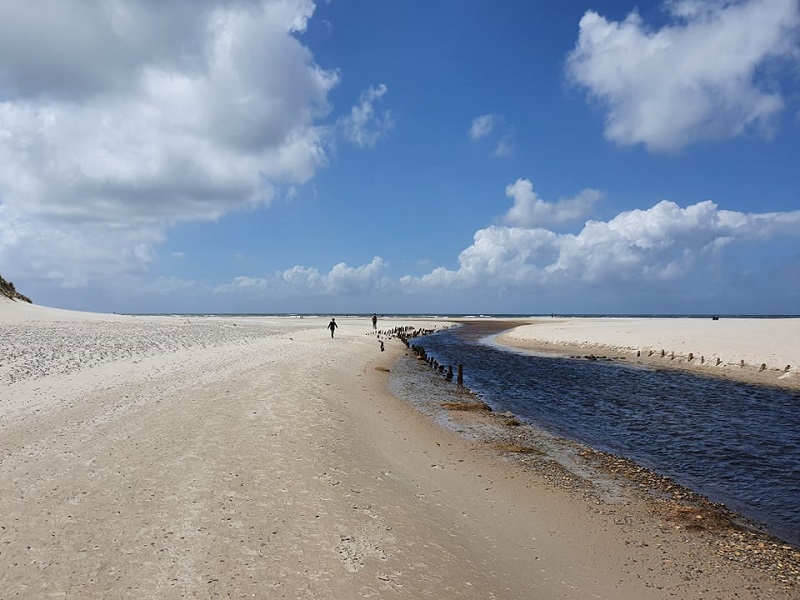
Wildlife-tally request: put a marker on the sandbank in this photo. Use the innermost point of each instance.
(757, 350)
(174, 457)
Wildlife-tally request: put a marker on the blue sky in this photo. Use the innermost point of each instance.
(517, 156)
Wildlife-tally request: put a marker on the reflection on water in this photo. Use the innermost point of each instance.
(734, 443)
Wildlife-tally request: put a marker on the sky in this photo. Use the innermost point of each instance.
(402, 156)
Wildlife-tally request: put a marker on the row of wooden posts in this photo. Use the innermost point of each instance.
(447, 370)
(419, 351)
(691, 357)
(406, 333)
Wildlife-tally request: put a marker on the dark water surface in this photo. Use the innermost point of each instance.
(736, 444)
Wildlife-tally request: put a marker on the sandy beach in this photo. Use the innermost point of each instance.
(257, 457)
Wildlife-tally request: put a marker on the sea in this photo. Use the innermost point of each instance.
(734, 443)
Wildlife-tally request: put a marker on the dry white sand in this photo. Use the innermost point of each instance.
(168, 457)
(758, 350)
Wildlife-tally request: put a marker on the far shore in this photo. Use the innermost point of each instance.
(754, 350)
(175, 456)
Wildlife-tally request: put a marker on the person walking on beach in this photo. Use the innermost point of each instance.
(374, 321)
(332, 325)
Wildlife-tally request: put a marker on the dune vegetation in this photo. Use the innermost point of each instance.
(7, 289)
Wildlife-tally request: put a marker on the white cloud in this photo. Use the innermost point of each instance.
(73, 253)
(341, 280)
(530, 210)
(364, 126)
(504, 146)
(491, 126)
(121, 119)
(654, 252)
(699, 78)
(659, 244)
(482, 126)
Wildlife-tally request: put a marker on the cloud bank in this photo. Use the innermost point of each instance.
(633, 252)
(340, 280)
(662, 243)
(703, 77)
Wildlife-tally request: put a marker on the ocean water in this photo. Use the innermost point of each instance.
(736, 444)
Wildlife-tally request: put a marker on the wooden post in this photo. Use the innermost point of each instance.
(460, 374)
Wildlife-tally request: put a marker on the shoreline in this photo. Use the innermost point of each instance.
(604, 480)
(173, 456)
(645, 507)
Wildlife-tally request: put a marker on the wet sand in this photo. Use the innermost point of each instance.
(174, 457)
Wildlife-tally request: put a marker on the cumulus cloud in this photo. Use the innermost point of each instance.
(341, 280)
(701, 77)
(120, 119)
(365, 125)
(662, 243)
(529, 210)
(660, 248)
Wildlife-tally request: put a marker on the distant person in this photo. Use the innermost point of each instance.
(374, 321)
(332, 325)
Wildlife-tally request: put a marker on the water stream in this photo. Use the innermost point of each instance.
(736, 444)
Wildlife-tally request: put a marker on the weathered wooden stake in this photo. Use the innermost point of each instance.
(460, 376)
